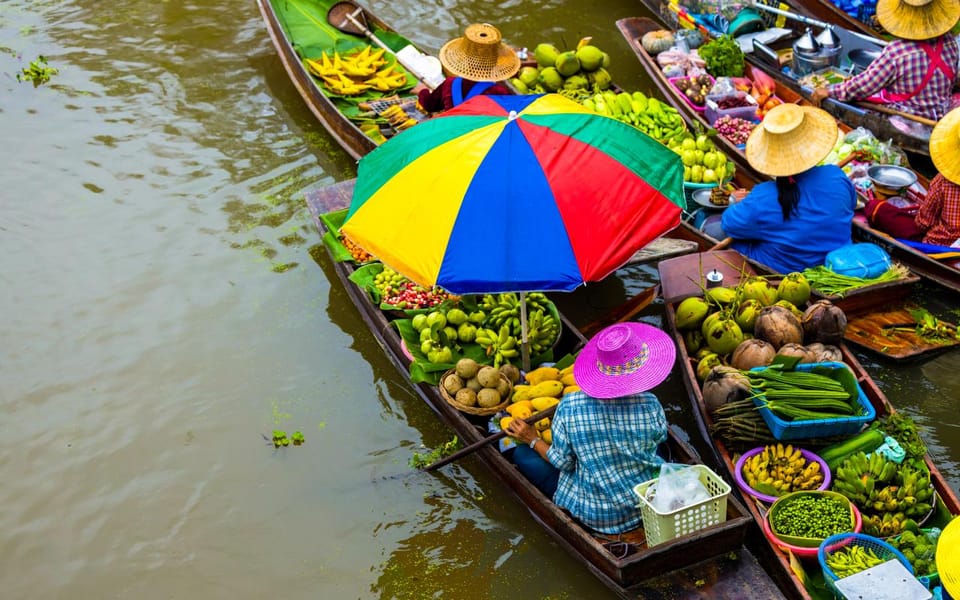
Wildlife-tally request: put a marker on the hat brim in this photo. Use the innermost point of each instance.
(662, 354)
(947, 557)
(945, 145)
(781, 155)
(458, 64)
(918, 22)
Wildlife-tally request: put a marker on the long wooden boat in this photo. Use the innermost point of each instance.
(289, 22)
(805, 577)
(712, 562)
(910, 135)
(942, 272)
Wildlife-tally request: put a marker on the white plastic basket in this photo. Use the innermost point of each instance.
(661, 527)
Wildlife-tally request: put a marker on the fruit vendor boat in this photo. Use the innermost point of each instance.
(910, 133)
(712, 562)
(678, 280)
(940, 268)
(303, 34)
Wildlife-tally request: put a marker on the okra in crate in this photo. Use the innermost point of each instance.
(810, 400)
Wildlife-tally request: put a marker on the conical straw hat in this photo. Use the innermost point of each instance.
(480, 55)
(791, 139)
(945, 145)
(918, 19)
(947, 558)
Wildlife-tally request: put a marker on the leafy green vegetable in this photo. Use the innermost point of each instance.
(901, 427)
(420, 460)
(723, 56)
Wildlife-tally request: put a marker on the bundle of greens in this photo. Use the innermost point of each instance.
(723, 57)
(829, 283)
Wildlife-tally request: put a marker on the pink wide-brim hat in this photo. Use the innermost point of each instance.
(623, 359)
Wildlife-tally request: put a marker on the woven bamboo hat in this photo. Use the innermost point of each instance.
(480, 55)
(918, 19)
(791, 139)
(945, 145)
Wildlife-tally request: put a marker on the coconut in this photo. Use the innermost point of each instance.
(692, 340)
(830, 353)
(590, 57)
(708, 322)
(797, 350)
(722, 385)
(706, 363)
(723, 296)
(746, 314)
(778, 326)
(567, 63)
(724, 335)
(691, 312)
(466, 397)
(791, 307)
(466, 368)
(529, 75)
(488, 376)
(546, 54)
(794, 288)
(752, 353)
(550, 79)
(824, 322)
(758, 289)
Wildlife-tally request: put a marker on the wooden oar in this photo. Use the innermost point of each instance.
(892, 111)
(544, 414)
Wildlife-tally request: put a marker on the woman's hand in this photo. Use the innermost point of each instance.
(522, 431)
(819, 95)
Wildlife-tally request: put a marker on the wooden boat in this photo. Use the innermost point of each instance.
(331, 111)
(911, 134)
(828, 12)
(805, 576)
(942, 272)
(709, 563)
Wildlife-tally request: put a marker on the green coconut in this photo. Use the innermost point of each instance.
(567, 63)
(590, 57)
(546, 55)
(794, 288)
(550, 79)
(528, 75)
(691, 312)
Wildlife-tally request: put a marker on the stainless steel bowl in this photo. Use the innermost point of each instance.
(891, 177)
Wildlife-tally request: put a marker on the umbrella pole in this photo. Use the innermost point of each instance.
(524, 342)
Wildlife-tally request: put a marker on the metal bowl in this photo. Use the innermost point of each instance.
(891, 177)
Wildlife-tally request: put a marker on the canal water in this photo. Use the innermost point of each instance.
(166, 306)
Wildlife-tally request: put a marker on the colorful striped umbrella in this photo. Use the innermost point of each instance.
(514, 193)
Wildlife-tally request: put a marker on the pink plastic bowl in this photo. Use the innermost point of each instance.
(800, 550)
(809, 456)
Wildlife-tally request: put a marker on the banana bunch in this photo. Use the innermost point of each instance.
(886, 493)
(500, 345)
(779, 469)
(542, 328)
(355, 73)
(397, 117)
(656, 119)
(852, 559)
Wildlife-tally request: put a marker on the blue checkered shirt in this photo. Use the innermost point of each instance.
(603, 448)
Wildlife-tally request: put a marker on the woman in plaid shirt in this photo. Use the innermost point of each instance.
(915, 73)
(939, 212)
(605, 437)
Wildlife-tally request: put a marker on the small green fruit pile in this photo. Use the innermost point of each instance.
(575, 73)
(703, 162)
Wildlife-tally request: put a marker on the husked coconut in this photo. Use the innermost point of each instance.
(778, 326)
(752, 353)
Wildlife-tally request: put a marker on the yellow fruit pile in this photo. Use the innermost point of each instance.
(779, 469)
(544, 388)
(357, 72)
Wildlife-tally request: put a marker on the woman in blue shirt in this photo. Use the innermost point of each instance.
(792, 222)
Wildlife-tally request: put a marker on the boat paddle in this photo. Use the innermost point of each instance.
(544, 414)
(892, 111)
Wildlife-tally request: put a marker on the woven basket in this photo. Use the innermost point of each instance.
(475, 410)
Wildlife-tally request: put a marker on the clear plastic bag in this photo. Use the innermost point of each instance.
(679, 486)
(723, 87)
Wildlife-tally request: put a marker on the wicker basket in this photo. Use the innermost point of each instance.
(835, 542)
(475, 410)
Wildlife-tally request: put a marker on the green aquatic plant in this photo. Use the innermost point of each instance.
(39, 72)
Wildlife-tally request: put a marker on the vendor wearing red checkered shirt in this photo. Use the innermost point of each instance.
(916, 73)
(939, 212)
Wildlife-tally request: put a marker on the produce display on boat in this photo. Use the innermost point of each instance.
(790, 402)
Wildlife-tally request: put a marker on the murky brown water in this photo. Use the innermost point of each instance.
(164, 306)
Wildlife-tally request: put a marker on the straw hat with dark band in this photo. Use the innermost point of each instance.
(945, 145)
(918, 19)
(791, 139)
(480, 55)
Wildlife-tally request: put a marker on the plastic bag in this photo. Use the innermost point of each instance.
(722, 88)
(678, 486)
(862, 260)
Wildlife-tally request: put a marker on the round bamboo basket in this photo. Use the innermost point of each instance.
(475, 410)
